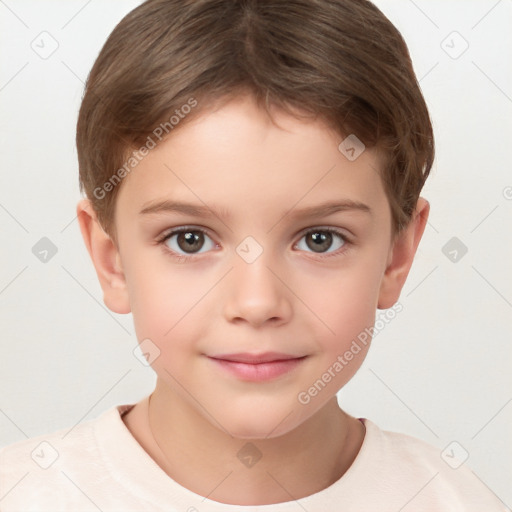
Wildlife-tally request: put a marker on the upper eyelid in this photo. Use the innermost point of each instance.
(179, 229)
(339, 231)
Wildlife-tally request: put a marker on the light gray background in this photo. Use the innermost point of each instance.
(439, 371)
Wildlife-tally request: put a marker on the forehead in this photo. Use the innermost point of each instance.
(237, 160)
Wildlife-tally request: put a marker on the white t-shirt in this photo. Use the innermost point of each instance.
(100, 466)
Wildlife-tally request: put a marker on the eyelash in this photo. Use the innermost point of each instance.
(183, 258)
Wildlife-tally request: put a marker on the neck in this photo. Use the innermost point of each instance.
(202, 457)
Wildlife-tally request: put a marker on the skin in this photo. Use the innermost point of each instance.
(291, 299)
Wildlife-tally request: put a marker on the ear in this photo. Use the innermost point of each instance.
(401, 256)
(105, 257)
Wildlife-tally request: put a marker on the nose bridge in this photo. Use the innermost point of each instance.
(255, 293)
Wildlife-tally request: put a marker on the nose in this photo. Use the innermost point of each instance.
(256, 295)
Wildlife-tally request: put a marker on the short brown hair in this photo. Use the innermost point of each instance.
(342, 60)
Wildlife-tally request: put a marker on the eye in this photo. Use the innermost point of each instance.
(320, 240)
(185, 241)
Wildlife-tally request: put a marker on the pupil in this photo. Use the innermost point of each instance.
(190, 241)
(321, 241)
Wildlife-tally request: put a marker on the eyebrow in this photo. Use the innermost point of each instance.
(321, 210)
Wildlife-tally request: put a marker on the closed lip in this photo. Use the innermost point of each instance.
(248, 358)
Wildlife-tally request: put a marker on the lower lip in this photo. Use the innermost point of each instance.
(258, 372)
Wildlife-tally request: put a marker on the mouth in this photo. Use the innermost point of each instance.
(257, 367)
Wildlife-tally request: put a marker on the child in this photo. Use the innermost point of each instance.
(252, 172)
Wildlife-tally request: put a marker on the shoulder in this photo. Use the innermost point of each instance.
(34, 469)
(426, 475)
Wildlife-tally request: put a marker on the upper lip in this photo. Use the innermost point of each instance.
(265, 357)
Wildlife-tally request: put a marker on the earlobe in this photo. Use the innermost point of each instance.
(105, 257)
(401, 256)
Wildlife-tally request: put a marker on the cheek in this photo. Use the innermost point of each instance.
(175, 306)
(160, 296)
(346, 303)
(345, 300)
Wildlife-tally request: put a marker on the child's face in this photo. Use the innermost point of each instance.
(227, 298)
